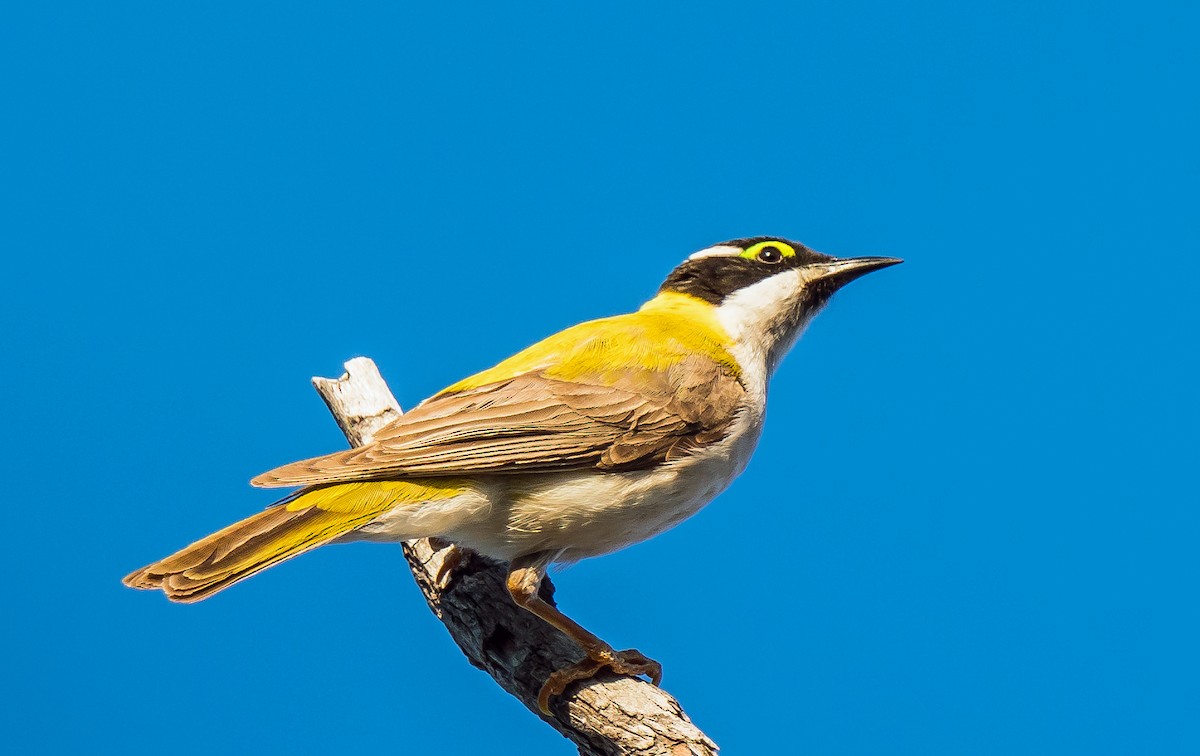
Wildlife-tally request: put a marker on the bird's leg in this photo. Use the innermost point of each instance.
(524, 578)
(453, 557)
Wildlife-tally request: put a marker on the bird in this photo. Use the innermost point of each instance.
(593, 439)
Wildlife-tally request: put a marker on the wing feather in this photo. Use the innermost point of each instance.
(535, 423)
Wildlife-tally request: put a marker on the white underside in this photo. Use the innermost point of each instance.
(574, 514)
(586, 513)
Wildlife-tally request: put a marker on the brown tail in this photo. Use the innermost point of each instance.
(242, 549)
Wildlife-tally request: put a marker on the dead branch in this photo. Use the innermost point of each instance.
(606, 716)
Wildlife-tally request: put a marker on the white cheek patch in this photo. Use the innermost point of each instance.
(745, 312)
(761, 320)
(717, 251)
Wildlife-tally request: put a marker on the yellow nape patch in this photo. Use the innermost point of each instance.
(752, 252)
(665, 331)
(376, 496)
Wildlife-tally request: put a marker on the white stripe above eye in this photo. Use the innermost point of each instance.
(718, 251)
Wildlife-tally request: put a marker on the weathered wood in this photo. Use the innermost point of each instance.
(606, 716)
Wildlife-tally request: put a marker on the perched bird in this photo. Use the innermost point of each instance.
(596, 438)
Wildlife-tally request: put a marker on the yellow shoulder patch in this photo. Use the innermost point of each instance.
(665, 331)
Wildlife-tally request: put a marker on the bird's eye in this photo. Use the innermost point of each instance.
(770, 255)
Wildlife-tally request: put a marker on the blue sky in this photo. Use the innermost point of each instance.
(972, 523)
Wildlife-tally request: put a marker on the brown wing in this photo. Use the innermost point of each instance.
(533, 423)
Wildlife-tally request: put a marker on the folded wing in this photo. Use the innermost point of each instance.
(619, 420)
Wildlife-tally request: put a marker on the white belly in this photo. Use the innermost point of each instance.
(588, 513)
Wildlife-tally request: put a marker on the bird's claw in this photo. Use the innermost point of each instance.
(451, 560)
(628, 662)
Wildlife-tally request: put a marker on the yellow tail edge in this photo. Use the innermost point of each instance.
(304, 521)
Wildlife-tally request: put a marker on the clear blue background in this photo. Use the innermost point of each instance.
(972, 524)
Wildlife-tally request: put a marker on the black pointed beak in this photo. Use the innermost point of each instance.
(837, 273)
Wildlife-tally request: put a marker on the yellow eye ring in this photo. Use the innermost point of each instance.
(769, 252)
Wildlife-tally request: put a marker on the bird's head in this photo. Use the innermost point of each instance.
(766, 289)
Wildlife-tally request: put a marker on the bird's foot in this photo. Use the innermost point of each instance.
(629, 662)
(451, 559)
